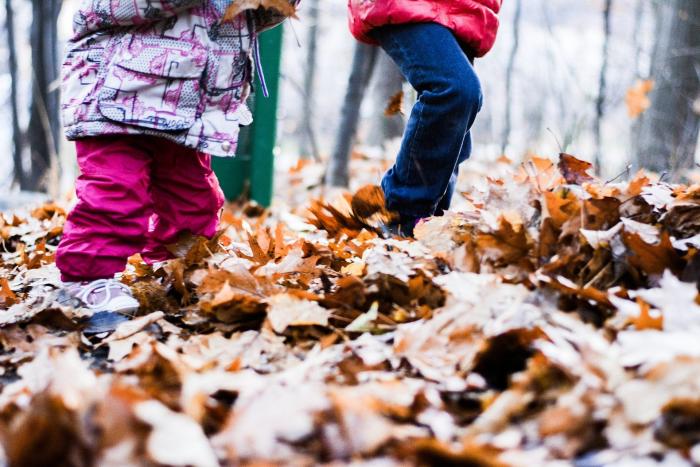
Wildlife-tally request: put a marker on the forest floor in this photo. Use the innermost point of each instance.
(551, 317)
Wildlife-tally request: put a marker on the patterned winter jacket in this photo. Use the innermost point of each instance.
(169, 68)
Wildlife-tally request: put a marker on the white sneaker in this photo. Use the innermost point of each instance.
(104, 295)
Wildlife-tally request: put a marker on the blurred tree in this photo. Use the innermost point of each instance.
(669, 129)
(363, 62)
(44, 122)
(309, 143)
(387, 83)
(639, 72)
(19, 177)
(602, 85)
(507, 129)
(368, 61)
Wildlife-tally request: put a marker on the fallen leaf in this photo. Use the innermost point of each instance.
(286, 311)
(652, 258)
(7, 296)
(175, 439)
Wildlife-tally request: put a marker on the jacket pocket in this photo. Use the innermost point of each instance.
(154, 82)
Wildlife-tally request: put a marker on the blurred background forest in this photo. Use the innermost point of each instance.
(616, 82)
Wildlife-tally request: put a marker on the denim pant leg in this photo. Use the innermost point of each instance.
(446, 200)
(449, 98)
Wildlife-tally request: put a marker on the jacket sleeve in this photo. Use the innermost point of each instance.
(268, 18)
(95, 15)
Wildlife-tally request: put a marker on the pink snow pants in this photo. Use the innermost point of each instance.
(136, 194)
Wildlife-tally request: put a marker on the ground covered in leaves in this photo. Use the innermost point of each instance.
(553, 318)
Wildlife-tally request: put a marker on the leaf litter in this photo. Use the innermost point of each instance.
(552, 319)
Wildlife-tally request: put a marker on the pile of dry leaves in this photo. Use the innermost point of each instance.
(554, 318)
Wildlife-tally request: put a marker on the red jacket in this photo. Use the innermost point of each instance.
(474, 22)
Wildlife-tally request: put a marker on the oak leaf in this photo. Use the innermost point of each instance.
(507, 245)
(648, 319)
(652, 258)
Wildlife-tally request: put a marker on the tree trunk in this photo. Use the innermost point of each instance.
(20, 178)
(602, 84)
(505, 140)
(309, 142)
(44, 124)
(388, 82)
(362, 65)
(639, 73)
(669, 129)
(637, 35)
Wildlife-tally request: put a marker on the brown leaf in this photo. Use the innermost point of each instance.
(7, 296)
(639, 181)
(645, 320)
(433, 452)
(637, 97)
(48, 433)
(151, 296)
(194, 249)
(539, 171)
(48, 211)
(233, 296)
(395, 105)
(239, 6)
(574, 170)
(507, 245)
(652, 259)
(561, 206)
(601, 214)
(368, 200)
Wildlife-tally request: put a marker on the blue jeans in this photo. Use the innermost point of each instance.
(437, 139)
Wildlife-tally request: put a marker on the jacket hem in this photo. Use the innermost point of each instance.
(212, 147)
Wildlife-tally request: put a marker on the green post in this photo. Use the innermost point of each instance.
(251, 171)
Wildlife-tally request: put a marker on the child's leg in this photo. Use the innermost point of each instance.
(110, 221)
(186, 198)
(449, 97)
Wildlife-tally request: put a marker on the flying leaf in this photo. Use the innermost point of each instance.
(238, 6)
(395, 105)
(574, 170)
(637, 97)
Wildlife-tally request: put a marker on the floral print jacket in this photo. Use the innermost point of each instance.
(169, 68)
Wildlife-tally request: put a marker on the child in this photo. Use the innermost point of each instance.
(434, 43)
(151, 89)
